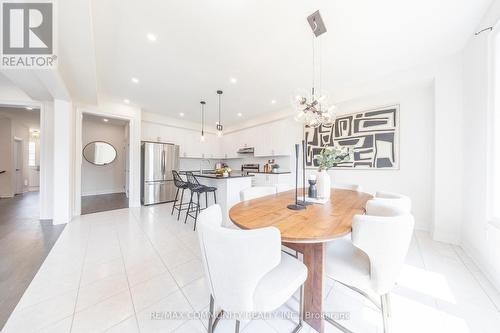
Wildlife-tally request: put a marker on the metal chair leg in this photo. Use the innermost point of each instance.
(211, 315)
(175, 201)
(189, 207)
(301, 310)
(197, 211)
(215, 197)
(206, 199)
(237, 327)
(389, 305)
(180, 207)
(385, 319)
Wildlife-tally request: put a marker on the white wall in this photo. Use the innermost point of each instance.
(415, 175)
(448, 151)
(63, 170)
(479, 237)
(108, 178)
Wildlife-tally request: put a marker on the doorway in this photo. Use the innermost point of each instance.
(104, 168)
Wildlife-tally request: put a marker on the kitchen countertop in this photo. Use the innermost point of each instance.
(271, 173)
(234, 174)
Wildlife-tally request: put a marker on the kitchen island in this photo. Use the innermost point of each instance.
(228, 190)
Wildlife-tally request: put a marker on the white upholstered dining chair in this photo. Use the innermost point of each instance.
(370, 264)
(257, 192)
(245, 269)
(392, 198)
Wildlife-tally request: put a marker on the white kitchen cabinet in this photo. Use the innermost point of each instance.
(282, 181)
(272, 140)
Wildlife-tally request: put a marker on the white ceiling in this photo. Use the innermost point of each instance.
(265, 45)
(29, 118)
(99, 119)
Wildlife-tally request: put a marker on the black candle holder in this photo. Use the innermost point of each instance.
(296, 205)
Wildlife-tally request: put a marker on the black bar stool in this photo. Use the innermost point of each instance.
(195, 187)
(181, 185)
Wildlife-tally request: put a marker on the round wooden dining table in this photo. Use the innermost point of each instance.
(306, 231)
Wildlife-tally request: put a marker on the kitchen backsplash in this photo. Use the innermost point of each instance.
(235, 164)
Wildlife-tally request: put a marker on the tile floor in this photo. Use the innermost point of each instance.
(25, 242)
(111, 271)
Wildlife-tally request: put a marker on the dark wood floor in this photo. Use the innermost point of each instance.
(25, 242)
(103, 202)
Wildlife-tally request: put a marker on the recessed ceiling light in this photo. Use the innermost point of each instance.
(151, 37)
(273, 101)
(127, 101)
(29, 108)
(233, 80)
(181, 114)
(105, 120)
(135, 80)
(239, 114)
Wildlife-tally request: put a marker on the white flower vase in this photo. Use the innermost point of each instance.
(324, 184)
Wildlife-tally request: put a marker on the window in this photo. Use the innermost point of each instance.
(32, 154)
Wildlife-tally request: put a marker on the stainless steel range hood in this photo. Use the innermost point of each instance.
(246, 150)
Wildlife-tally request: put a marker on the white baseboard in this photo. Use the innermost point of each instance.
(112, 191)
(491, 274)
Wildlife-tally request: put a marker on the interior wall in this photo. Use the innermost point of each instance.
(107, 178)
(416, 162)
(479, 236)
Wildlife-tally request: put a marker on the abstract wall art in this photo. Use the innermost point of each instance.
(373, 135)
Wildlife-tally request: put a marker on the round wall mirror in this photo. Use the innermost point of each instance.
(99, 153)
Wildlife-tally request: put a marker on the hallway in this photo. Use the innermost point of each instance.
(25, 242)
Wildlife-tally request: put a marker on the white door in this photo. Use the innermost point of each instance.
(18, 165)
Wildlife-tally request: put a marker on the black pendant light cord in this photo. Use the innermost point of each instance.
(202, 117)
(219, 124)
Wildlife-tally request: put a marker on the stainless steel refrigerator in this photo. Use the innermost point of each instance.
(157, 162)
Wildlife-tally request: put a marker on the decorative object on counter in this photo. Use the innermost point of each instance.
(296, 205)
(313, 190)
(327, 159)
(219, 123)
(372, 134)
(268, 167)
(202, 138)
(275, 167)
(313, 109)
(224, 171)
